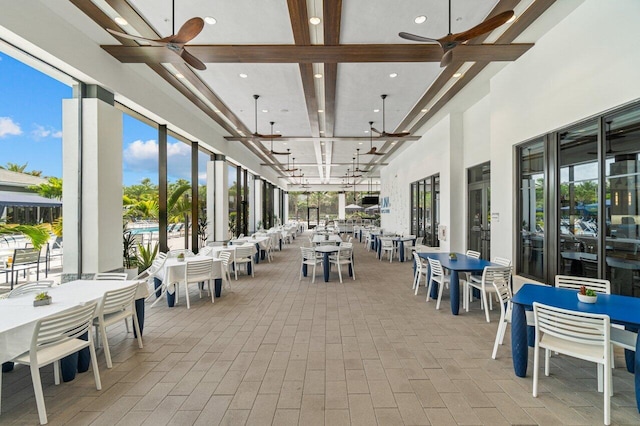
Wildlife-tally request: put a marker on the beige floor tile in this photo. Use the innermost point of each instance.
(337, 418)
(312, 410)
(286, 417)
(291, 394)
(336, 395)
(361, 410)
(411, 409)
(388, 417)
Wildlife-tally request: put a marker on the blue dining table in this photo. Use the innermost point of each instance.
(463, 263)
(623, 310)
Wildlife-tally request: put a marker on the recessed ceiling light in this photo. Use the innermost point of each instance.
(314, 20)
(321, 131)
(458, 74)
(283, 143)
(513, 18)
(420, 19)
(376, 110)
(393, 75)
(394, 142)
(359, 143)
(217, 111)
(320, 110)
(120, 20)
(243, 75)
(318, 75)
(265, 110)
(210, 20)
(180, 75)
(424, 110)
(366, 131)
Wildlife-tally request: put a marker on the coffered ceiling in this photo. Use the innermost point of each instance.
(319, 84)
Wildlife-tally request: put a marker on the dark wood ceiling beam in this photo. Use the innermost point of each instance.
(271, 54)
(300, 27)
(330, 139)
(332, 14)
(134, 19)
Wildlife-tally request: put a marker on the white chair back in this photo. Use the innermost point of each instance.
(117, 300)
(206, 251)
(224, 256)
(493, 273)
(244, 252)
(473, 254)
(573, 326)
(199, 270)
(502, 261)
(32, 287)
(570, 282)
(436, 267)
(110, 276)
(308, 253)
(56, 329)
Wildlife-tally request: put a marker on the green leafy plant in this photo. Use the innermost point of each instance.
(587, 291)
(181, 256)
(42, 296)
(37, 234)
(146, 255)
(129, 258)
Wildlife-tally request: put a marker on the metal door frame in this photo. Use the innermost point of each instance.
(485, 234)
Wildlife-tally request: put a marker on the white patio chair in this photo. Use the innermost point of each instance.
(489, 275)
(577, 334)
(422, 269)
(31, 287)
(344, 256)
(198, 271)
(206, 251)
(176, 252)
(110, 276)
(244, 256)
(54, 338)
(387, 246)
(309, 258)
(503, 291)
(438, 276)
(225, 258)
(115, 306)
(408, 247)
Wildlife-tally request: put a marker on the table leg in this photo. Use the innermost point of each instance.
(637, 373)
(262, 254)
(280, 244)
(454, 292)
(140, 315)
(326, 266)
(401, 248)
(249, 268)
(434, 288)
(351, 266)
(519, 347)
(218, 290)
(304, 270)
(257, 258)
(379, 247)
(171, 298)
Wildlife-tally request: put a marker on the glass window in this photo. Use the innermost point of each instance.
(622, 172)
(233, 199)
(203, 159)
(179, 193)
(532, 181)
(425, 209)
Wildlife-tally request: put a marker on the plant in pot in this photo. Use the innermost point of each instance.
(129, 256)
(453, 256)
(146, 255)
(181, 257)
(42, 299)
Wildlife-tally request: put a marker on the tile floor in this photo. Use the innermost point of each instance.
(282, 352)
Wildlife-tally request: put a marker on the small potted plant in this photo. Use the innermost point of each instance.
(42, 299)
(587, 295)
(453, 256)
(181, 257)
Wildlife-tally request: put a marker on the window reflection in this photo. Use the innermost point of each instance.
(425, 209)
(532, 200)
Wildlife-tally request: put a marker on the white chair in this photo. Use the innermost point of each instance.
(244, 256)
(309, 258)
(110, 276)
(466, 276)
(387, 246)
(206, 251)
(225, 258)
(32, 287)
(198, 271)
(619, 336)
(578, 334)
(54, 338)
(177, 252)
(344, 256)
(422, 270)
(115, 306)
(504, 294)
(473, 254)
(438, 276)
(408, 247)
(489, 275)
(502, 261)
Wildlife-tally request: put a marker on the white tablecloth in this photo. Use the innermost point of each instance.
(172, 272)
(18, 316)
(320, 239)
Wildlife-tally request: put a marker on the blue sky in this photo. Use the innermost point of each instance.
(31, 130)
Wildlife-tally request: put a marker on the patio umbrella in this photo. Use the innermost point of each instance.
(353, 207)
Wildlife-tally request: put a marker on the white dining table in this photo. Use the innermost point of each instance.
(18, 316)
(320, 239)
(173, 270)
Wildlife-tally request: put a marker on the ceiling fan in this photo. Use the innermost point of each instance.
(383, 133)
(358, 163)
(292, 168)
(450, 41)
(609, 137)
(372, 149)
(353, 164)
(271, 136)
(175, 42)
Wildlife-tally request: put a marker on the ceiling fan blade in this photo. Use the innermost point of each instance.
(280, 153)
(377, 131)
(261, 136)
(446, 58)
(413, 37)
(188, 31)
(373, 151)
(396, 135)
(484, 27)
(192, 60)
(137, 38)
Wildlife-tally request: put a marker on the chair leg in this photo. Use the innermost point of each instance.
(37, 390)
(211, 290)
(608, 391)
(313, 272)
(136, 325)
(429, 289)
(536, 367)
(186, 294)
(486, 305)
(56, 372)
(440, 290)
(94, 364)
(499, 334)
(253, 269)
(339, 271)
(105, 344)
(353, 270)
(547, 358)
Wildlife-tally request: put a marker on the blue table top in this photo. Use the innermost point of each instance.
(463, 263)
(621, 309)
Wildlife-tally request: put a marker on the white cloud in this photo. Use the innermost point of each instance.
(9, 127)
(142, 157)
(41, 132)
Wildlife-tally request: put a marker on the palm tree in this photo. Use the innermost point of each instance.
(20, 168)
(50, 189)
(37, 234)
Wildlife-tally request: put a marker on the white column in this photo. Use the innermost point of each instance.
(95, 246)
(285, 214)
(258, 200)
(211, 205)
(221, 199)
(342, 203)
(276, 205)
